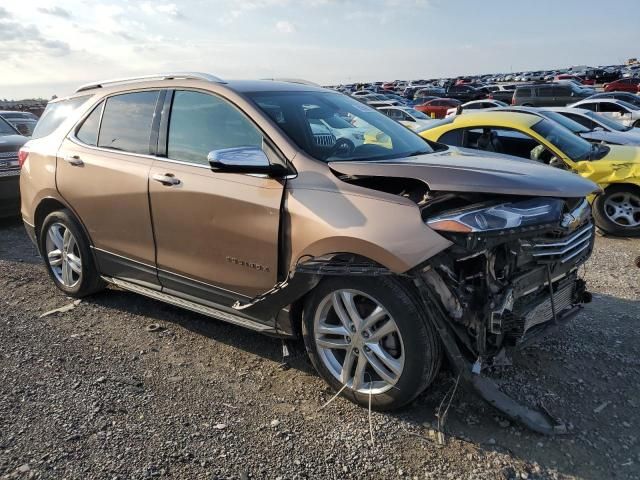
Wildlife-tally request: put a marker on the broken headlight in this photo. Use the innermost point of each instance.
(487, 218)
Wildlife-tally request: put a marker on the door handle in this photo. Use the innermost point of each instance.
(167, 179)
(74, 160)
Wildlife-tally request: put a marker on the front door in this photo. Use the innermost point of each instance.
(102, 172)
(216, 233)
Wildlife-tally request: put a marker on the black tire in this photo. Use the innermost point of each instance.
(602, 215)
(90, 281)
(420, 340)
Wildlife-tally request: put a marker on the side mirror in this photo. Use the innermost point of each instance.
(243, 160)
(598, 129)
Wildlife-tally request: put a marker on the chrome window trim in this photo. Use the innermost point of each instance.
(71, 136)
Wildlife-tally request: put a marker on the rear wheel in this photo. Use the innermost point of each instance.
(370, 335)
(66, 253)
(617, 211)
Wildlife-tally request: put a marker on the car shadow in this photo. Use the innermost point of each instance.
(15, 245)
(237, 337)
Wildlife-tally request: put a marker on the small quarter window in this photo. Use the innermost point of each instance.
(88, 132)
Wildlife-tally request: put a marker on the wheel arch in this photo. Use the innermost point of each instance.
(49, 205)
(296, 307)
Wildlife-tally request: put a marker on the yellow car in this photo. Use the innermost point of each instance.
(615, 168)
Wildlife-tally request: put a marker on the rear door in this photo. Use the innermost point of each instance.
(216, 233)
(102, 172)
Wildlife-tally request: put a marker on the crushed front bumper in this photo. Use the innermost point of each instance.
(491, 295)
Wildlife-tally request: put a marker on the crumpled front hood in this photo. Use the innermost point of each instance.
(462, 170)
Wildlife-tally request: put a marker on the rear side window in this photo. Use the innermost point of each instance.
(126, 122)
(55, 114)
(454, 137)
(523, 92)
(545, 92)
(88, 132)
(201, 123)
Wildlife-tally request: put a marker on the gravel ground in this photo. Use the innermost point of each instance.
(92, 393)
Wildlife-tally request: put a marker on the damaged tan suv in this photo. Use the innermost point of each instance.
(299, 212)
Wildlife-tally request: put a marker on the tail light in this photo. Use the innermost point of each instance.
(23, 154)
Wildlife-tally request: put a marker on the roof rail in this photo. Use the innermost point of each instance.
(294, 80)
(155, 76)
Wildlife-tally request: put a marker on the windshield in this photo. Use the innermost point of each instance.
(5, 128)
(564, 140)
(606, 121)
(416, 114)
(574, 126)
(364, 133)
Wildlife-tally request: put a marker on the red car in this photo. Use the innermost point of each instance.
(623, 85)
(567, 76)
(437, 108)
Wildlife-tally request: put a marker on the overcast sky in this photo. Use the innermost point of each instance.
(48, 47)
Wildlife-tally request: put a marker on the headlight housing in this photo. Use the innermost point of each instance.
(499, 217)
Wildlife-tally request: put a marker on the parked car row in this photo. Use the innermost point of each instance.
(580, 140)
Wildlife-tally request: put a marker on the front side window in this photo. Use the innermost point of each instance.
(126, 122)
(330, 126)
(201, 123)
(607, 122)
(88, 132)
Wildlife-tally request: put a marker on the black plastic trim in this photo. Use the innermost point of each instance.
(126, 269)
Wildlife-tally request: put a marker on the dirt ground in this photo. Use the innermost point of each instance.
(92, 393)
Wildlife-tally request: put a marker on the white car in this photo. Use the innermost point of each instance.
(409, 117)
(617, 110)
(601, 128)
(323, 123)
(476, 105)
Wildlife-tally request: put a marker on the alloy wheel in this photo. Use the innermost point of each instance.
(623, 208)
(63, 255)
(358, 341)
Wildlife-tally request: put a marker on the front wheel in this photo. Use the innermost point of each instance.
(617, 211)
(369, 334)
(67, 256)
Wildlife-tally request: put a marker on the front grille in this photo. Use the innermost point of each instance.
(9, 164)
(543, 312)
(324, 140)
(562, 249)
(535, 309)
